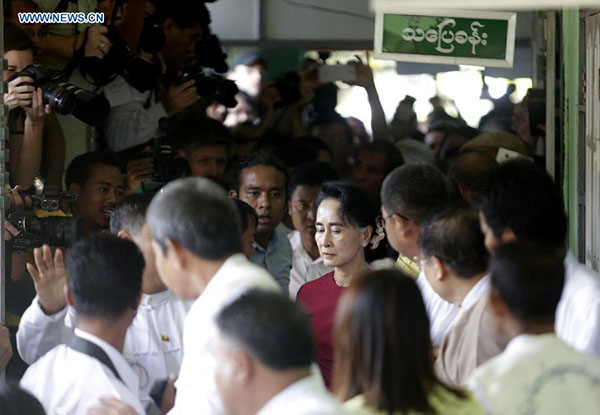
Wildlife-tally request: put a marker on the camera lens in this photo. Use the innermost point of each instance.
(60, 99)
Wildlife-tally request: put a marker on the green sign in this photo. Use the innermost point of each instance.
(470, 38)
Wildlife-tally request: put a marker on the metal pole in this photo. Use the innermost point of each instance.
(3, 177)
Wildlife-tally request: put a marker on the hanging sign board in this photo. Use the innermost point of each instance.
(449, 37)
(512, 5)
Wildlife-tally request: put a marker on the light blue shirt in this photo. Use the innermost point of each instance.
(277, 258)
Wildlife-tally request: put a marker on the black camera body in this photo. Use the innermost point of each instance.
(65, 98)
(121, 60)
(35, 231)
(51, 198)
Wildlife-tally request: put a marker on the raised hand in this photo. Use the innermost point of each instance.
(49, 277)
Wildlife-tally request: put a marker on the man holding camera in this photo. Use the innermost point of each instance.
(37, 144)
(134, 117)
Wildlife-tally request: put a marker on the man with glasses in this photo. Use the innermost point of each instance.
(307, 264)
(410, 194)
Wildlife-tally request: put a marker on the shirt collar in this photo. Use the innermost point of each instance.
(154, 300)
(296, 242)
(128, 376)
(478, 290)
(279, 404)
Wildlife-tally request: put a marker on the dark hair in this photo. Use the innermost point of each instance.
(271, 328)
(355, 208)
(197, 214)
(522, 197)
(80, 168)
(311, 173)
(454, 236)
(194, 131)
(393, 155)
(130, 213)
(260, 159)
(375, 317)
(415, 191)
(315, 143)
(245, 211)
(529, 277)
(471, 171)
(15, 38)
(17, 401)
(105, 275)
(185, 13)
(335, 118)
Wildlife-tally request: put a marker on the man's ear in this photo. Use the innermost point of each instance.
(177, 253)
(234, 194)
(168, 26)
(182, 154)
(75, 188)
(507, 236)
(440, 269)
(125, 235)
(403, 225)
(242, 366)
(69, 296)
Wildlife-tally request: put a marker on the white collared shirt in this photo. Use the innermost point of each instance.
(480, 289)
(153, 344)
(578, 312)
(441, 313)
(68, 382)
(304, 268)
(538, 374)
(307, 396)
(196, 389)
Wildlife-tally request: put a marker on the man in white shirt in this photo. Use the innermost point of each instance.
(304, 187)
(537, 372)
(455, 263)
(154, 342)
(104, 288)
(264, 349)
(196, 241)
(524, 202)
(410, 194)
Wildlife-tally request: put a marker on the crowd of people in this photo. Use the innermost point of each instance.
(242, 248)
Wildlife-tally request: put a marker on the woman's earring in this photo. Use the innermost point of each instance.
(379, 236)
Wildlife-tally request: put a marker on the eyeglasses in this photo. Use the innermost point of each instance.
(380, 220)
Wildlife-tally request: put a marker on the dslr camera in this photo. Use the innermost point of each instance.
(65, 98)
(168, 165)
(209, 54)
(121, 60)
(35, 231)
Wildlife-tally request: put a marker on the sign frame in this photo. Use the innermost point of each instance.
(507, 62)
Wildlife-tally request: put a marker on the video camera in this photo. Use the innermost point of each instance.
(35, 231)
(65, 98)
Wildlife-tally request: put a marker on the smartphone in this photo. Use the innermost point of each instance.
(331, 73)
(505, 154)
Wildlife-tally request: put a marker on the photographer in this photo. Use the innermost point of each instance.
(37, 144)
(134, 115)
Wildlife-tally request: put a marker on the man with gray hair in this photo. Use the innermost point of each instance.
(196, 241)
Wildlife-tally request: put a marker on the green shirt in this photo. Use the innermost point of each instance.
(442, 400)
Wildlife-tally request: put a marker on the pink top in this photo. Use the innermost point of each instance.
(320, 298)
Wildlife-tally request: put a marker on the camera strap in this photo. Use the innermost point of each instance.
(92, 350)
